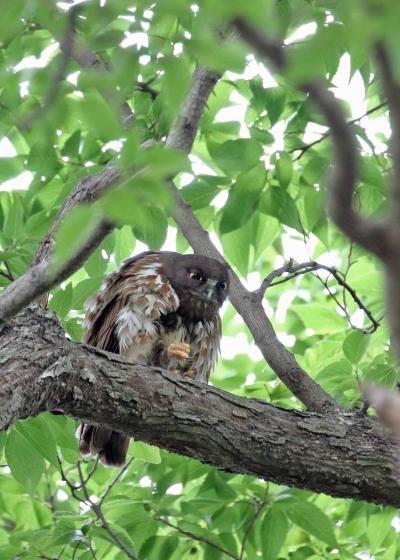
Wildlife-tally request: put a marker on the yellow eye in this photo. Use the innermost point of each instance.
(223, 285)
(195, 275)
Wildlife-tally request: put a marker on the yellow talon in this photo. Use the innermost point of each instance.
(179, 351)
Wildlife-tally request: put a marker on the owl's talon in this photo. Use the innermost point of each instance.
(179, 351)
(189, 373)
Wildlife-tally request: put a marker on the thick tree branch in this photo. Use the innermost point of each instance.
(369, 232)
(340, 453)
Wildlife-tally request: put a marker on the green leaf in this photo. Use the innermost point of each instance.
(243, 198)
(278, 203)
(236, 156)
(25, 462)
(274, 529)
(323, 320)
(355, 345)
(99, 117)
(200, 192)
(61, 302)
(37, 432)
(73, 231)
(145, 452)
(14, 222)
(274, 99)
(124, 243)
(151, 226)
(284, 169)
(379, 526)
(312, 520)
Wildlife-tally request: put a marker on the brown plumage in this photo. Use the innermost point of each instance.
(160, 309)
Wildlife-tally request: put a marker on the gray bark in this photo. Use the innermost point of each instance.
(340, 453)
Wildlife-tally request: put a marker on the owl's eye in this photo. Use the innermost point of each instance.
(223, 285)
(195, 275)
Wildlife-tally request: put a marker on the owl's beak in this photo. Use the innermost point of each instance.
(209, 290)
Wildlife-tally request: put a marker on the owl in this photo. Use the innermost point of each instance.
(159, 309)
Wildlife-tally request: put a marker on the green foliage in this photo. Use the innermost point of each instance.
(257, 181)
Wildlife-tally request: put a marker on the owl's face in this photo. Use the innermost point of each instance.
(202, 277)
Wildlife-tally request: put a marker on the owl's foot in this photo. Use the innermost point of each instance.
(179, 351)
(189, 373)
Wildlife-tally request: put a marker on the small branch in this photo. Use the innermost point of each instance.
(114, 482)
(369, 232)
(259, 506)
(146, 88)
(326, 134)
(59, 76)
(40, 278)
(251, 310)
(198, 538)
(96, 508)
(302, 268)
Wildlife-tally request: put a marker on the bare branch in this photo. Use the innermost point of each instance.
(183, 131)
(294, 270)
(368, 232)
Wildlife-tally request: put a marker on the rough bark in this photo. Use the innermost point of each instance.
(341, 453)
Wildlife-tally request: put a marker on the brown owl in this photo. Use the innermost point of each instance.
(159, 309)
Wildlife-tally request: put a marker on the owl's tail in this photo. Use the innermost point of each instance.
(110, 446)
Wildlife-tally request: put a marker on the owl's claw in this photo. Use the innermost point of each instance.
(189, 373)
(179, 351)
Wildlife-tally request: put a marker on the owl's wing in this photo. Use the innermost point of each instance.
(125, 311)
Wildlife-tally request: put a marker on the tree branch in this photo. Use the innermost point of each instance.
(97, 507)
(369, 232)
(326, 134)
(198, 538)
(294, 270)
(340, 453)
(59, 76)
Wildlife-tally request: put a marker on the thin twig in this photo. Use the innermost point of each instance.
(293, 270)
(59, 76)
(96, 508)
(199, 538)
(259, 506)
(328, 132)
(114, 482)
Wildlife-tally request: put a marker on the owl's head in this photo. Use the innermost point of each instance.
(202, 277)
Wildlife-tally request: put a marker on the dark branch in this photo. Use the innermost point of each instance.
(198, 538)
(339, 452)
(293, 270)
(367, 232)
(326, 134)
